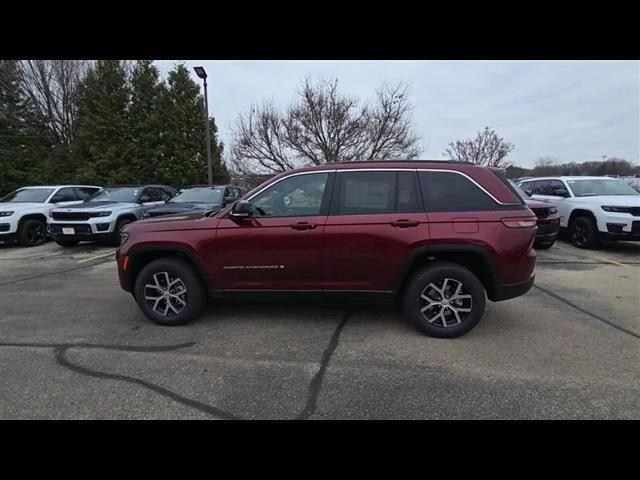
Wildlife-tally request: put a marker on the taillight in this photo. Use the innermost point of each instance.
(519, 222)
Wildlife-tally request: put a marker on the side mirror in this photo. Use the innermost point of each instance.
(144, 199)
(561, 192)
(241, 209)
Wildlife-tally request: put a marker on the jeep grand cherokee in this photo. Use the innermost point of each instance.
(438, 236)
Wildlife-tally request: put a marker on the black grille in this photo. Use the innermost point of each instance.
(635, 211)
(71, 215)
(635, 227)
(542, 212)
(4, 227)
(79, 228)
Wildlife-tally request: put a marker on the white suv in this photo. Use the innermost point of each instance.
(103, 215)
(23, 212)
(591, 208)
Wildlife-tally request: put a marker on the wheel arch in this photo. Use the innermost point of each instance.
(142, 256)
(32, 216)
(581, 212)
(126, 216)
(475, 258)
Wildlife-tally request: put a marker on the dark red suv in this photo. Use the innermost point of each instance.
(436, 235)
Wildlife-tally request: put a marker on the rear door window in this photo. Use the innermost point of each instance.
(366, 192)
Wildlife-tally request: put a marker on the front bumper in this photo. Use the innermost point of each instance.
(8, 225)
(618, 223)
(547, 231)
(102, 229)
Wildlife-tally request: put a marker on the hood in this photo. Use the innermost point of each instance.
(613, 200)
(531, 203)
(4, 206)
(176, 207)
(182, 221)
(83, 207)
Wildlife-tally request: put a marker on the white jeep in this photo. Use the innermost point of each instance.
(24, 212)
(590, 208)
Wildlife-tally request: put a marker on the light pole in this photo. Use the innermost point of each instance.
(203, 75)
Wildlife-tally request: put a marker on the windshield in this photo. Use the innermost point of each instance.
(199, 194)
(31, 195)
(588, 188)
(520, 191)
(116, 194)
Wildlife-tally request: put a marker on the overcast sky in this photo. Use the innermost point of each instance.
(569, 110)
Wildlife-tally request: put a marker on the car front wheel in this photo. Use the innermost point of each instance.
(445, 300)
(32, 232)
(169, 292)
(584, 233)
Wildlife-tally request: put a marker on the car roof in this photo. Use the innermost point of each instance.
(385, 164)
(568, 177)
(141, 186)
(58, 186)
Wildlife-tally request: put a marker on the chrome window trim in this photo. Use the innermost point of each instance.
(389, 170)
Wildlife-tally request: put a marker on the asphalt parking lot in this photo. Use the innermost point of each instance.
(75, 346)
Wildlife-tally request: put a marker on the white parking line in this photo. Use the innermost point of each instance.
(96, 257)
(593, 257)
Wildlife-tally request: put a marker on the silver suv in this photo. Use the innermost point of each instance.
(102, 216)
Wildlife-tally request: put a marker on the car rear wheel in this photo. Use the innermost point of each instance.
(584, 233)
(32, 232)
(445, 300)
(169, 292)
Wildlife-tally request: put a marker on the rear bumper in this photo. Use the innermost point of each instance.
(512, 290)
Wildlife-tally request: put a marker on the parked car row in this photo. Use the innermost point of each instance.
(74, 213)
(591, 209)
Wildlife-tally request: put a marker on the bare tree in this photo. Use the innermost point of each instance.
(51, 87)
(488, 148)
(323, 126)
(546, 166)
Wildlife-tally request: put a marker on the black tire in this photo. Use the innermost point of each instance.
(67, 243)
(436, 274)
(32, 232)
(583, 233)
(119, 225)
(175, 268)
(543, 246)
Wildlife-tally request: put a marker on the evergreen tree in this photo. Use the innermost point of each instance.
(103, 140)
(183, 158)
(24, 143)
(145, 121)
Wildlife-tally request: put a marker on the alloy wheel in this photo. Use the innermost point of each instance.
(445, 303)
(36, 233)
(167, 295)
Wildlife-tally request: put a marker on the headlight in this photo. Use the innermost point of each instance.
(553, 210)
(102, 214)
(608, 208)
(6, 214)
